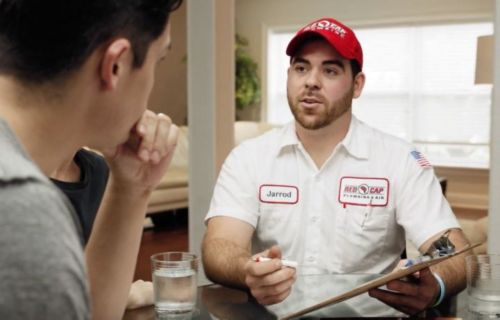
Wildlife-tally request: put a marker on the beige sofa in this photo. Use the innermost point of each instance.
(172, 193)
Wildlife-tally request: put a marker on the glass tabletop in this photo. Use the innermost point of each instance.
(218, 302)
(312, 289)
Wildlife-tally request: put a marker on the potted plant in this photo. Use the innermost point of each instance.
(247, 78)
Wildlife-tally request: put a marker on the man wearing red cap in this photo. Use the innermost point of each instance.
(327, 190)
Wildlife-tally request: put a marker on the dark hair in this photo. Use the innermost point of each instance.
(355, 68)
(43, 40)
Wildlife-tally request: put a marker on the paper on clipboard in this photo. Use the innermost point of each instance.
(375, 283)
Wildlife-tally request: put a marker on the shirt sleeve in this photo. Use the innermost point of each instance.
(422, 209)
(235, 193)
(42, 266)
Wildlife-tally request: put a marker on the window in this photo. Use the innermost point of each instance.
(420, 87)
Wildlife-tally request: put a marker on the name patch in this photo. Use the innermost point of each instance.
(361, 191)
(273, 193)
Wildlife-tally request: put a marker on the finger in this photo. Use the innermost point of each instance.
(259, 269)
(274, 252)
(140, 127)
(426, 277)
(134, 140)
(173, 136)
(171, 145)
(275, 299)
(400, 264)
(404, 287)
(271, 291)
(267, 253)
(146, 128)
(160, 143)
(381, 295)
(274, 278)
(275, 293)
(140, 294)
(162, 134)
(430, 286)
(264, 253)
(397, 300)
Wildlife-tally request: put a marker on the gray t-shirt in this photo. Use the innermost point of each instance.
(42, 270)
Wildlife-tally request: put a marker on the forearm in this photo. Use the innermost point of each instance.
(224, 261)
(113, 247)
(453, 271)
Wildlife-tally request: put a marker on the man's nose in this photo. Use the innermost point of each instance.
(313, 80)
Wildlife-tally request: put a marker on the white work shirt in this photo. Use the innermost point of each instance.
(349, 216)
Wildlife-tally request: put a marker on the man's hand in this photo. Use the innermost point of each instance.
(142, 161)
(269, 282)
(410, 297)
(140, 294)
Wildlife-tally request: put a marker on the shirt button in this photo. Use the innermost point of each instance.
(314, 219)
(317, 178)
(311, 259)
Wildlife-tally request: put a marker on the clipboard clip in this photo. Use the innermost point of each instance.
(441, 247)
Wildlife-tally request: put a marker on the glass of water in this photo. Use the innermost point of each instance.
(174, 283)
(483, 286)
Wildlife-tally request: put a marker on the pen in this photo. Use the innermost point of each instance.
(286, 263)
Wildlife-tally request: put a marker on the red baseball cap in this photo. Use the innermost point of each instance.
(338, 35)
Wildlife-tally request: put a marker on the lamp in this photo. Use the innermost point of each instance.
(484, 60)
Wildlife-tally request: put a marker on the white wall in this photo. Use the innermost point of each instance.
(169, 93)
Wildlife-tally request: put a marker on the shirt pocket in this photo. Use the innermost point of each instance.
(360, 236)
(275, 221)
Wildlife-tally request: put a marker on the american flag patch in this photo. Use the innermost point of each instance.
(421, 160)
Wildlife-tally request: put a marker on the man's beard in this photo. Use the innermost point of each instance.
(326, 116)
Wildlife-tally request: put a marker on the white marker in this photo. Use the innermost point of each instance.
(286, 263)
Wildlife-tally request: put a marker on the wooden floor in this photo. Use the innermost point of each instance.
(172, 235)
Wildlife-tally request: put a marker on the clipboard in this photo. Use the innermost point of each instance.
(375, 283)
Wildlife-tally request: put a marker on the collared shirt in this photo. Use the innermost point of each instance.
(351, 215)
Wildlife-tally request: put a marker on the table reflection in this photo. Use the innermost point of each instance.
(224, 303)
(218, 302)
(312, 289)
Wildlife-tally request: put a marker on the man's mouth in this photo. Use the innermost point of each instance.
(310, 102)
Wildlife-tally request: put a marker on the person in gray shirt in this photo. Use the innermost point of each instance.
(77, 73)
(40, 248)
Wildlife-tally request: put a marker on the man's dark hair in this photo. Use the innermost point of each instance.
(355, 68)
(43, 40)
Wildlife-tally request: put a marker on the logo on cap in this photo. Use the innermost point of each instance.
(326, 25)
(339, 36)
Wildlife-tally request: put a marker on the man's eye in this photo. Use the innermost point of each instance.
(299, 68)
(330, 72)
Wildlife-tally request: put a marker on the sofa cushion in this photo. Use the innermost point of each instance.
(174, 177)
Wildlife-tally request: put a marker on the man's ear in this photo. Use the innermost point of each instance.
(359, 83)
(115, 59)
